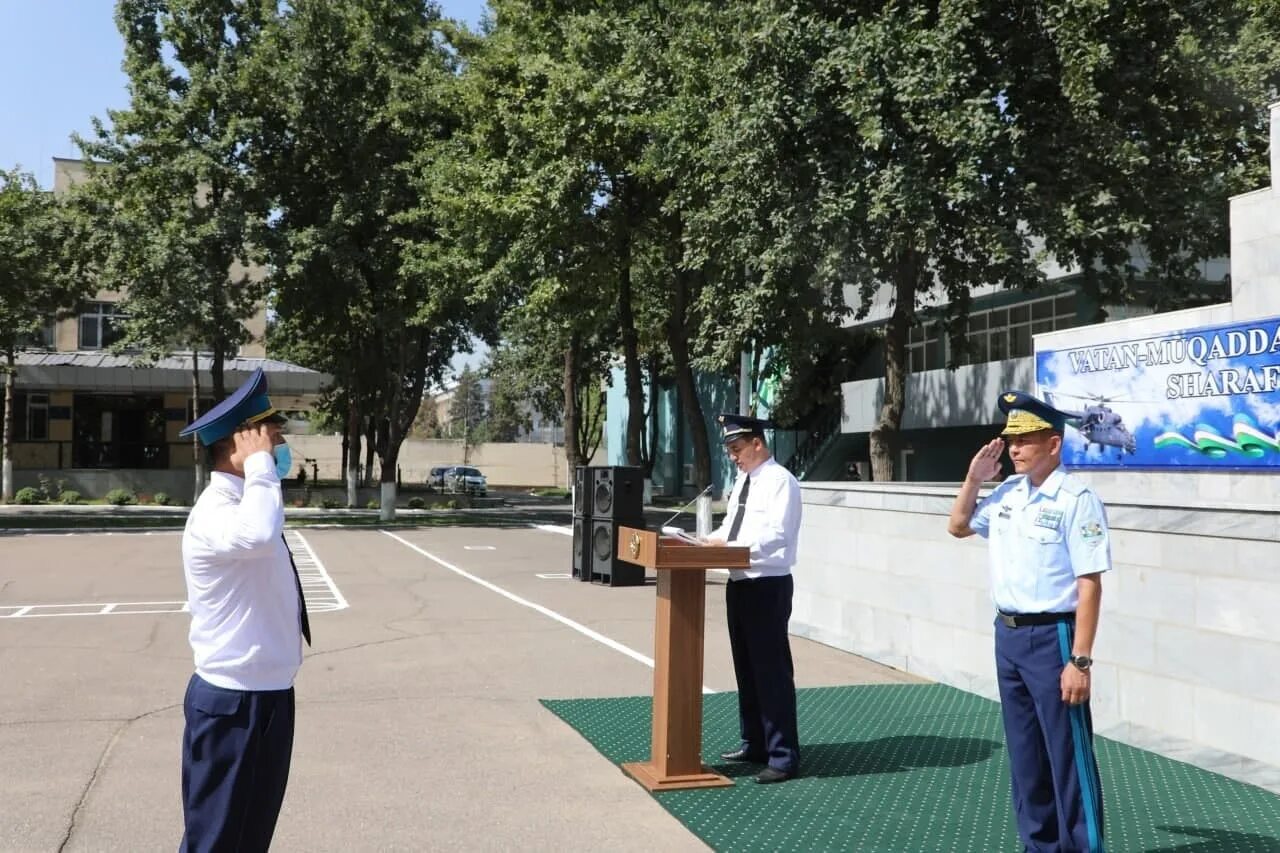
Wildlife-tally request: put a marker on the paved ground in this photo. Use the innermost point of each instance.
(418, 721)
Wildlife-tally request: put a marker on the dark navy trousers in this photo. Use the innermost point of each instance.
(758, 611)
(235, 764)
(1057, 795)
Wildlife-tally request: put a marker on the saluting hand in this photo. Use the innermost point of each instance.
(986, 462)
(251, 439)
(1075, 685)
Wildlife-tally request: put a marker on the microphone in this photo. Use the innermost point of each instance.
(683, 508)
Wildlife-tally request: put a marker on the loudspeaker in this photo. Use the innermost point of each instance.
(583, 480)
(583, 483)
(606, 568)
(581, 552)
(618, 495)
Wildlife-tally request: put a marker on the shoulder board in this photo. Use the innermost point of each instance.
(1073, 486)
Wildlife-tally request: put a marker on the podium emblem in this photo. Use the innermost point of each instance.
(633, 546)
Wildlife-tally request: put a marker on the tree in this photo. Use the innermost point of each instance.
(468, 411)
(916, 151)
(359, 124)
(46, 266)
(556, 133)
(174, 170)
(508, 416)
(427, 424)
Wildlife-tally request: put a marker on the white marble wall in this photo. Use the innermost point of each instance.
(1189, 640)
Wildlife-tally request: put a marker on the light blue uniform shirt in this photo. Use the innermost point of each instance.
(1041, 540)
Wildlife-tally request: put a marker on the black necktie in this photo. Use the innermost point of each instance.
(742, 510)
(302, 602)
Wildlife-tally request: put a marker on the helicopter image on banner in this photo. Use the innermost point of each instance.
(1098, 424)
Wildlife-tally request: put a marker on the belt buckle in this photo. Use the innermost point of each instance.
(1009, 620)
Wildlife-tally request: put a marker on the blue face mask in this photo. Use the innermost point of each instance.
(284, 460)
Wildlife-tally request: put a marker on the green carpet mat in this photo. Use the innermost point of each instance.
(920, 767)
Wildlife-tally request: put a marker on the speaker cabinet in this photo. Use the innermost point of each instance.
(583, 484)
(606, 568)
(581, 549)
(618, 495)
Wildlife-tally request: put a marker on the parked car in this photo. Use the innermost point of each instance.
(435, 477)
(464, 479)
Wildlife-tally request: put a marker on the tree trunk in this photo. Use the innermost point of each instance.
(572, 454)
(886, 438)
(197, 454)
(686, 388)
(370, 444)
(630, 346)
(346, 444)
(591, 421)
(353, 454)
(216, 370)
(6, 460)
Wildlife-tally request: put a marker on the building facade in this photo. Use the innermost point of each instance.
(92, 419)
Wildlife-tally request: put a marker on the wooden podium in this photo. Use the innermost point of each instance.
(675, 759)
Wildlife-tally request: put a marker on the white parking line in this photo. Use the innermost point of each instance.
(318, 588)
(321, 593)
(545, 611)
(554, 528)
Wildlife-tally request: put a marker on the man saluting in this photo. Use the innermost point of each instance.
(1048, 547)
(248, 620)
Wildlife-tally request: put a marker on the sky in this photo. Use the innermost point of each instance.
(60, 63)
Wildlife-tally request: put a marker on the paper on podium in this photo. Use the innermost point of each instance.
(684, 535)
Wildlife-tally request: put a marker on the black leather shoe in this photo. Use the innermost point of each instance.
(769, 775)
(742, 755)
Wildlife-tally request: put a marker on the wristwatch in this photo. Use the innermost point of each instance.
(1081, 662)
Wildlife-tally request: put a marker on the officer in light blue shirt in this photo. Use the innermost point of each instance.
(1048, 547)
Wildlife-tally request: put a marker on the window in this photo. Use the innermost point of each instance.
(100, 325)
(1004, 333)
(41, 340)
(925, 348)
(119, 431)
(30, 417)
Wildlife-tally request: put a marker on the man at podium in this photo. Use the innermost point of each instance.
(764, 515)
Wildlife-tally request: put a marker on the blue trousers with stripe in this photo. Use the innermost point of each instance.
(1057, 795)
(235, 764)
(758, 611)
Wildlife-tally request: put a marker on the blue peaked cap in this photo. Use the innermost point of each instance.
(1029, 414)
(249, 404)
(740, 426)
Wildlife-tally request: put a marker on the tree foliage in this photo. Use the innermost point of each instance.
(47, 253)
(174, 169)
(361, 119)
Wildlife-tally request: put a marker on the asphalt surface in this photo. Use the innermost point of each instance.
(419, 726)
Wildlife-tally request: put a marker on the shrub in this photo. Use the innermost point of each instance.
(70, 496)
(160, 499)
(330, 503)
(29, 496)
(120, 497)
(417, 503)
(449, 504)
(373, 504)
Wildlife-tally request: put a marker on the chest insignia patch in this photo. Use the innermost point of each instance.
(1050, 518)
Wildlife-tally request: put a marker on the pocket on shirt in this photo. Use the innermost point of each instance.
(1046, 535)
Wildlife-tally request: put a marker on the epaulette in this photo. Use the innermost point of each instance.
(1073, 486)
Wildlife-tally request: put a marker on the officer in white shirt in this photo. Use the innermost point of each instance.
(1049, 545)
(764, 514)
(248, 621)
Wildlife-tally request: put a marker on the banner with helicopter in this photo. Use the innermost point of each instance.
(1199, 398)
